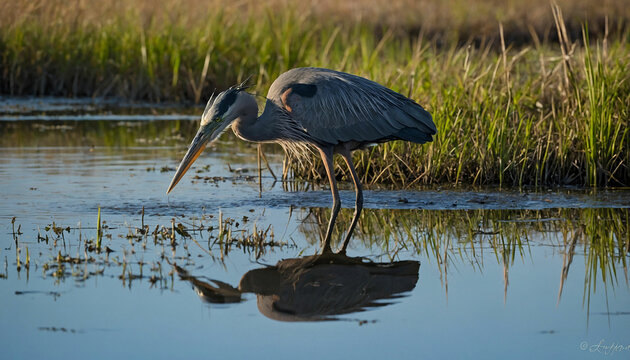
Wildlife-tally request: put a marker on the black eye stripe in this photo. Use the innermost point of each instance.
(227, 101)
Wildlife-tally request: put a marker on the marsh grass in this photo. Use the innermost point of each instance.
(512, 118)
(548, 108)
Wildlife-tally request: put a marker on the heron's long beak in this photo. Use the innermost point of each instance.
(205, 135)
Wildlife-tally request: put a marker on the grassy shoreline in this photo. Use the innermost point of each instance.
(549, 111)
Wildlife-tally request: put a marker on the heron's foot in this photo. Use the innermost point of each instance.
(326, 249)
(344, 246)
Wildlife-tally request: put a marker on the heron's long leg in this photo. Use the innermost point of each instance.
(327, 158)
(347, 156)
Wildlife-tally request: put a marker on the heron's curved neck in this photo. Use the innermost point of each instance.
(249, 127)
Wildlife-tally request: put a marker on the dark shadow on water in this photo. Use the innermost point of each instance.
(314, 288)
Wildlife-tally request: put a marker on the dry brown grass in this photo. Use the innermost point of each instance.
(461, 19)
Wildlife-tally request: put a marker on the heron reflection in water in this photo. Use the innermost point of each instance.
(314, 288)
(331, 111)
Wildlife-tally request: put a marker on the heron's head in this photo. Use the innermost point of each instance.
(220, 112)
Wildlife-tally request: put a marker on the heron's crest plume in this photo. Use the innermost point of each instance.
(229, 93)
(243, 85)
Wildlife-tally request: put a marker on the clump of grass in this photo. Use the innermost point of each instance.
(99, 230)
(17, 259)
(14, 232)
(27, 261)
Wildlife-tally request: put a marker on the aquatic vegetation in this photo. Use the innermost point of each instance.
(222, 235)
(99, 232)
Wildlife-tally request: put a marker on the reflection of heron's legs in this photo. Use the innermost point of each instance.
(327, 158)
(347, 156)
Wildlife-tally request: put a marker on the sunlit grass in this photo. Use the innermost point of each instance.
(513, 120)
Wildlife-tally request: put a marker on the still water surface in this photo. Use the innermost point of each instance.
(501, 273)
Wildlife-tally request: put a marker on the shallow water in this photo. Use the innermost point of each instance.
(502, 273)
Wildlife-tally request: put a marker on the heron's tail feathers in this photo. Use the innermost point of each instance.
(420, 118)
(413, 135)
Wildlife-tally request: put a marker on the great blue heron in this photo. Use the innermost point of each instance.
(331, 111)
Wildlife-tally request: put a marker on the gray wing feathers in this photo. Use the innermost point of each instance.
(348, 107)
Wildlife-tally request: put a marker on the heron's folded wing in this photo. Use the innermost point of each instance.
(337, 107)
